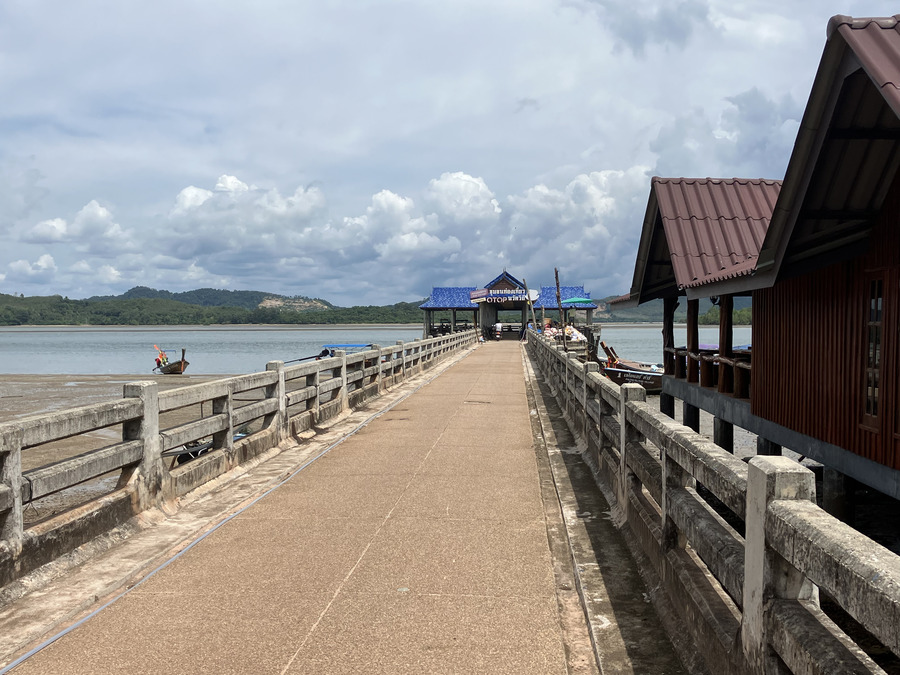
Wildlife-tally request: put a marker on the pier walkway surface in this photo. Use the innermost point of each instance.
(430, 540)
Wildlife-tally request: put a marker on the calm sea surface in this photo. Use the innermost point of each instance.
(244, 349)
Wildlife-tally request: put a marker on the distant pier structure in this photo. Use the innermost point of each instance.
(453, 308)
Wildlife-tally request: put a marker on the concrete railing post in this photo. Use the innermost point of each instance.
(556, 370)
(277, 391)
(317, 402)
(585, 396)
(627, 434)
(151, 481)
(766, 574)
(11, 527)
(345, 395)
(402, 359)
(224, 439)
(377, 349)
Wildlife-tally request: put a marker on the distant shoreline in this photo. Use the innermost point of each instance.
(211, 327)
(288, 327)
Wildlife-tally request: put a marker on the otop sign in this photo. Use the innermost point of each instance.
(498, 295)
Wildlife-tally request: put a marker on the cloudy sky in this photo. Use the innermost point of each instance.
(364, 151)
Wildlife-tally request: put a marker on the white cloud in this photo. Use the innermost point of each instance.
(356, 146)
(47, 231)
(41, 270)
(191, 198)
(463, 198)
(230, 184)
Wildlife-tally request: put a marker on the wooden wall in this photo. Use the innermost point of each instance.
(810, 345)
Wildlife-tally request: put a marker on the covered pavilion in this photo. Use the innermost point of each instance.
(503, 293)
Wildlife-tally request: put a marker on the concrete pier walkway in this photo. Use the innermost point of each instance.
(426, 542)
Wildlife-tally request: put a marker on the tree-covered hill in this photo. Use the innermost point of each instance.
(653, 312)
(206, 306)
(213, 297)
(56, 310)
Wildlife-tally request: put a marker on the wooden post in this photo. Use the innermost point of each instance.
(530, 304)
(693, 340)
(562, 318)
(726, 343)
(667, 401)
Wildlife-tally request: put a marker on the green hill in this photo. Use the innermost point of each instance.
(213, 297)
(145, 306)
(652, 312)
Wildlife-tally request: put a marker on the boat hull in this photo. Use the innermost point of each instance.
(648, 379)
(174, 368)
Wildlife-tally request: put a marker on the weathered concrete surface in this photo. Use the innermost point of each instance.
(419, 544)
(627, 633)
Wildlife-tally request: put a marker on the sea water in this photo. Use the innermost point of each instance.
(236, 350)
(210, 350)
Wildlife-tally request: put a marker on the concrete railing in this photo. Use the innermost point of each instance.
(230, 421)
(744, 574)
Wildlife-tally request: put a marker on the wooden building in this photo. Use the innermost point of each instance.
(824, 378)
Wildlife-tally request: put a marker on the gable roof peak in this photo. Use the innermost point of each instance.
(857, 23)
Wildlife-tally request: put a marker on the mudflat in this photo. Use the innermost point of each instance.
(24, 396)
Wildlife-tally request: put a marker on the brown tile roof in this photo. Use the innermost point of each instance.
(714, 227)
(876, 43)
(846, 154)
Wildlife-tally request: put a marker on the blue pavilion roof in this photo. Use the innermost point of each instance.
(457, 297)
(450, 297)
(547, 298)
(505, 276)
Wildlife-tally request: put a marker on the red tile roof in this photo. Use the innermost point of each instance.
(714, 227)
(876, 43)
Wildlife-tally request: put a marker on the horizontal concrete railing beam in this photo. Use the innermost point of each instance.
(40, 429)
(173, 399)
(301, 395)
(718, 470)
(254, 411)
(861, 575)
(810, 642)
(647, 468)
(187, 433)
(75, 470)
(301, 370)
(717, 544)
(330, 384)
(244, 383)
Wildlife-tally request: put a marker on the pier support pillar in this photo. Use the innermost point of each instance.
(691, 416)
(837, 494)
(723, 434)
(766, 447)
(667, 405)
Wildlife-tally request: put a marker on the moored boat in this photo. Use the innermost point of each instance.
(166, 367)
(625, 371)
